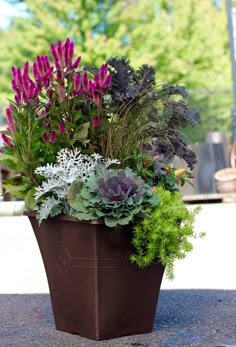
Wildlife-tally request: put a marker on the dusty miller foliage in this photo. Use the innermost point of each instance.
(70, 166)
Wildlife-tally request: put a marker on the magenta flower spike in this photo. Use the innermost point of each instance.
(96, 122)
(77, 82)
(14, 86)
(25, 97)
(26, 85)
(17, 99)
(47, 125)
(91, 86)
(59, 75)
(42, 113)
(53, 137)
(40, 65)
(35, 71)
(50, 95)
(60, 54)
(71, 50)
(45, 137)
(26, 69)
(97, 83)
(97, 98)
(49, 73)
(46, 62)
(32, 90)
(107, 81)
(66, 48)
(18, 77)
(6, 140)
(85, 82)
(61, 127)
(102, 72)
(76, 63)
(13, 72)
(10, 120)
(61, 92)
(53, 52)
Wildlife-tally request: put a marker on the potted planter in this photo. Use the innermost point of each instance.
(95, 291)
(226, 178)
(92, 150)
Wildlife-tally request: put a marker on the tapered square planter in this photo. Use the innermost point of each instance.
(95, 291)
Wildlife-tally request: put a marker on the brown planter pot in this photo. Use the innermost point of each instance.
(95, 291)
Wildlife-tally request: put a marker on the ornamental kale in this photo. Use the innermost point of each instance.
(114, 195)
(71, 166)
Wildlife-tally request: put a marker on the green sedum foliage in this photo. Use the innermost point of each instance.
(165, 236)
(114, 195)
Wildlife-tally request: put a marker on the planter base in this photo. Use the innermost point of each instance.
(95, 291)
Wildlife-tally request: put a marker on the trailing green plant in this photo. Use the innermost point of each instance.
(117, 196)
(165, 235)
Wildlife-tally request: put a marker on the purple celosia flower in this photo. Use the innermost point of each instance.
(60, 54)
(97, 98)
(10, 120)
(76, 63)
(85, 82)
(61, 127)
(6, 140)
(61, 92)
(53, 137)
(96, 121)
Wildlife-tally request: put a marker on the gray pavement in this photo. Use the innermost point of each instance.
(197, 309)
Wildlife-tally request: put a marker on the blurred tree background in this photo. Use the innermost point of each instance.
(186, 42)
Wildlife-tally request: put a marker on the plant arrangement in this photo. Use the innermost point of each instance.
(97, 143)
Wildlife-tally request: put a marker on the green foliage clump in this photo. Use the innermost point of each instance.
(114, 195)
(165, 236)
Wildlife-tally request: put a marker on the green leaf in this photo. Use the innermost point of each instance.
(8, 157)
(12, 165)
(14, 189)
(30, 202)
(82, 132)
(20, 139)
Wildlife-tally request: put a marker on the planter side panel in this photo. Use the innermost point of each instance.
(95, 291)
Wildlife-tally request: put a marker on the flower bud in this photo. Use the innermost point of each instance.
(53, 52)
(61, 127)
(77, 82)
(76, 63)
(96, 122)
(53, 137)
(85, 82)
(26, 69)
(6, 140)
(10, 120)
(102, 72)
(60, 54)
(97, 98)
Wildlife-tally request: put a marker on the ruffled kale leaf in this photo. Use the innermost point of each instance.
(127, 83)
(114, 195)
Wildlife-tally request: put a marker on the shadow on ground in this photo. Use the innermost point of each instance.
(184, 318)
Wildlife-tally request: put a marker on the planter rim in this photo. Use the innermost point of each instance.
(66, 217)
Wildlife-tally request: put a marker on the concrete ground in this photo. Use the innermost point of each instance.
(197, 309)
